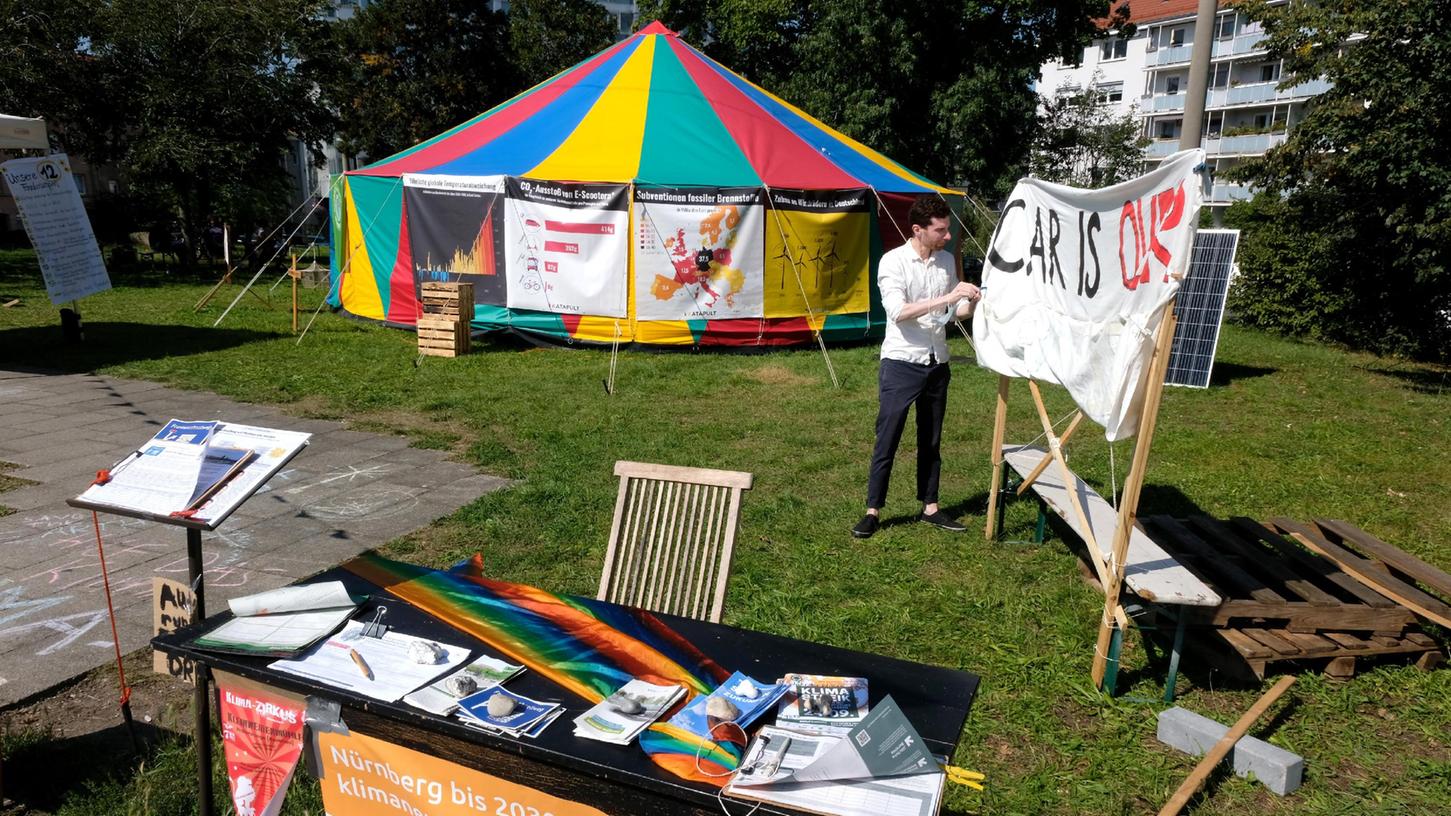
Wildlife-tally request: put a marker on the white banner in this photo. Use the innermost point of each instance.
(1076, 282)
(698, 253)
(55, 219)
(566, 247)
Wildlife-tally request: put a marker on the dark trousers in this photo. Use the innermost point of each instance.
(899, 385)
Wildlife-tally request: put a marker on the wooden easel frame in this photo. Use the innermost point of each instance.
(1110, 574)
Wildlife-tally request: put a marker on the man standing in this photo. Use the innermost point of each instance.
(921, 294)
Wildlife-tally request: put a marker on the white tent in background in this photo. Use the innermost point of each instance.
(20, 132)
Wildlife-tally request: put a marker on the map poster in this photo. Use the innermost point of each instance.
(262, 739)
(818, 252)
(566, 246)
(698, 253)
(56, 221)
(456, 232)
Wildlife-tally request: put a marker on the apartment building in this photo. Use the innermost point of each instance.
(1146, 74)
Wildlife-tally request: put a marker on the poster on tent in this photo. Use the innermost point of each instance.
(55, 219)
(566, 246)
(1077, 282)
(698, 253)
(262, 740)
(456, 232)
(818, 252)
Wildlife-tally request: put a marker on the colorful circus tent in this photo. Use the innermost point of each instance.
(646, 195)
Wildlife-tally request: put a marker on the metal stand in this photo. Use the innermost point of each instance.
(201, 697)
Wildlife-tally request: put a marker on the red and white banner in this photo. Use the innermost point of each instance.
(262, 739)
(1076, 283)
(566, 246)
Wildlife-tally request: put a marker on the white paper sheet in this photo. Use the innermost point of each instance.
(394, 672)
(328, 595)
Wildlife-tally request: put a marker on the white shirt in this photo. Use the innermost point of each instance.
(903, 277)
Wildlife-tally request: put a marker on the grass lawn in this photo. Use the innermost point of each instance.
(1287, 429)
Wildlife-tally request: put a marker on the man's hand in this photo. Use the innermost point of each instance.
(965, 291)
(966, 296)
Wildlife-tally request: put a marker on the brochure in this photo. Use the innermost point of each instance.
(513, 714)
(747, 697)
(441, 696)
(201, 469)
(621, 716)
(822, 704)
(777, 754)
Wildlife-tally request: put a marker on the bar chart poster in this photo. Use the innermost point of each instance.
(566, 247)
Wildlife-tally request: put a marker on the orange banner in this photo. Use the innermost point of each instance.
(363, 776)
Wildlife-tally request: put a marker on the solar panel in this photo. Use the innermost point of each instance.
(1201, 308)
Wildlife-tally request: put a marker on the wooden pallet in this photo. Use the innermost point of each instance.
(447, 300)
(1411, 582)
(1339, 651)
(1269, 582)
(443, 327)
(442, 336)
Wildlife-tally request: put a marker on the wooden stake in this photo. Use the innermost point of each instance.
(1055, 449)
(1222, 748)
(1043, 463)
(1000, 424)
(1133, 485)
(295, 275)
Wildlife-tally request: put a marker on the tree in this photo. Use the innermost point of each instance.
(1081, 142)
(413, 68)
(548, 36)
(1365, 180)
(196, 100)
(946, 88)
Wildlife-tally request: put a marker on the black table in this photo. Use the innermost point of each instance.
(615, 779)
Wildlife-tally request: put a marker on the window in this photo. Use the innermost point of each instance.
(1270, 72)
(1167, 129)
(113, 186)
(1262, 121)
(1171, 85)
(627, 22)
(1225, 29)
(1109, 93)
(1176, 37)
(80, 182)
(1113, 48)
(1221, 76)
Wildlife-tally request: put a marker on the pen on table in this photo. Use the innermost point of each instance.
(362, 664)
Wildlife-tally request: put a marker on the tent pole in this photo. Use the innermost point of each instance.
(1128, 503)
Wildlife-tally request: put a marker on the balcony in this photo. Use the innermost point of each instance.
(1243, 44)
(1159, 148)
(1259, 92)
(1172, 56)
(1157, 103)
(1253, 144)
(1230, 193)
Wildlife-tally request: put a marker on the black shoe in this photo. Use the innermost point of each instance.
(942, 521)
(867, 527)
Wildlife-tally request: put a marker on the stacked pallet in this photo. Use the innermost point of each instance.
(443, 327)
(1284, 602)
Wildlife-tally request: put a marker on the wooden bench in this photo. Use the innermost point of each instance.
(1149, 571)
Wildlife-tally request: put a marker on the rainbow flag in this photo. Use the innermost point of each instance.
(589, 647)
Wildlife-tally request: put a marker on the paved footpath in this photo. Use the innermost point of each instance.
(347, 492)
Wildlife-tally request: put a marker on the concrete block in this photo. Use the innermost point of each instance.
(1281, 771)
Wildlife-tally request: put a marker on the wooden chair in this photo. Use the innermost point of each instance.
(672, 538)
